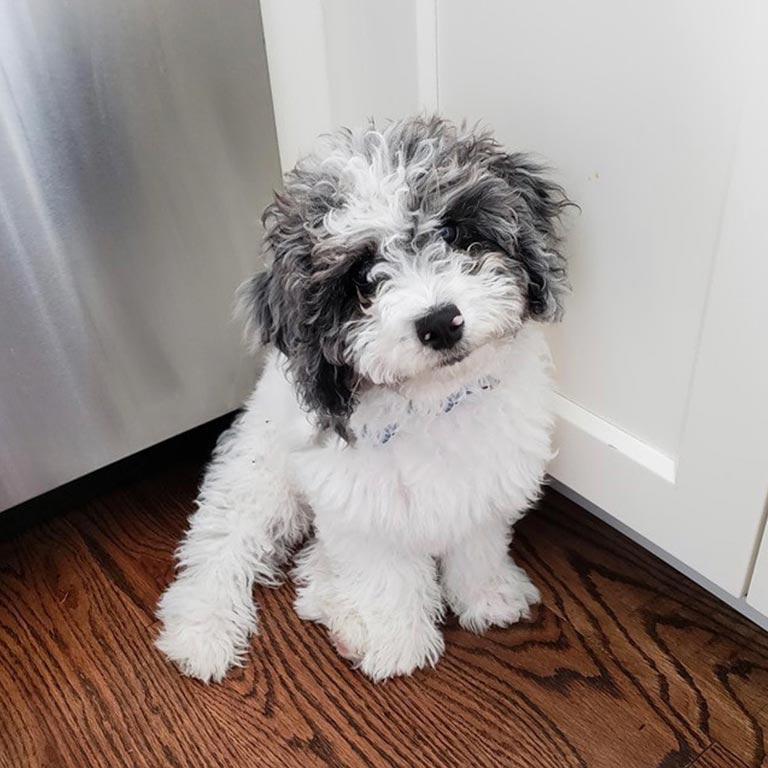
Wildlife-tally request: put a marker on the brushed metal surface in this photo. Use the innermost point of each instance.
(137, 149)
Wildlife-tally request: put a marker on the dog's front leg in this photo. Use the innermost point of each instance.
(481, 582)
(247, 518)
(380, 602)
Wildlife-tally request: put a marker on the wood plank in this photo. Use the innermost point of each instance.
(704, 666)
(602, 676)
(79, 673)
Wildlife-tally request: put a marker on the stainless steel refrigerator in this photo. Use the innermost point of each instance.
(137, 150)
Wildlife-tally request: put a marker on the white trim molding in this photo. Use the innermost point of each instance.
(294, 37)
(615, 438)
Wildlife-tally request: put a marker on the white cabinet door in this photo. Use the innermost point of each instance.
(654, 116)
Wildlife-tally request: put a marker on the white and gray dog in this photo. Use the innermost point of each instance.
(403, 419)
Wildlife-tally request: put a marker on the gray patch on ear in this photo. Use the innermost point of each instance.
(253, 309)
(288, 306)
(538, 204)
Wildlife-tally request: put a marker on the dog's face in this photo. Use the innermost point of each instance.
(400, 251)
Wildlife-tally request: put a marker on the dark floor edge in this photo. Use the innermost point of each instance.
(198, 441)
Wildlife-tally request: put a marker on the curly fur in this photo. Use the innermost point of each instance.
(372, 233)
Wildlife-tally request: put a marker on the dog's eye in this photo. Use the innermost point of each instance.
(360, 272)
(361, 275)
(449, 233)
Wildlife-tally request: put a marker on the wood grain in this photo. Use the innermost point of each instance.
(626, 665)
(702, 665)
(717, 757)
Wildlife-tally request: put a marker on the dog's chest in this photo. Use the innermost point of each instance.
(430, 471)
(480, 448)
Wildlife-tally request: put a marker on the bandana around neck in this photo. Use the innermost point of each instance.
(378, 436)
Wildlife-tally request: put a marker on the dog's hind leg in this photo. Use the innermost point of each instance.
(247, 518)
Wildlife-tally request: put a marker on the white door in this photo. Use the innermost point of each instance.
(653, 116)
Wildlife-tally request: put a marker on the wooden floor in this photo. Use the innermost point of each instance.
(626, 664)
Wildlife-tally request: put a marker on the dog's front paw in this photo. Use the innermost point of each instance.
(501, 602)
(394, 653)
(385, 649)
(203, 639)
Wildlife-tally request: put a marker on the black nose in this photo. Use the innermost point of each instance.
(441, 328)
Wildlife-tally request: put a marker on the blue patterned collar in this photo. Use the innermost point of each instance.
(378, 437)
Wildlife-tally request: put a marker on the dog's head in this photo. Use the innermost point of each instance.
(398, 251)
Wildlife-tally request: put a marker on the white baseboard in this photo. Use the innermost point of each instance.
(627, 445)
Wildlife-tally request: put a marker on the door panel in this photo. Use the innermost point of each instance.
(637, 109)
(648, 114)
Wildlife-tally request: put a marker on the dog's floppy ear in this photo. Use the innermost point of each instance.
(253, 306)
(537, 204)
(289, 307)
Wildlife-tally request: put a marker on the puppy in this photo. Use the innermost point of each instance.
(402, 423)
